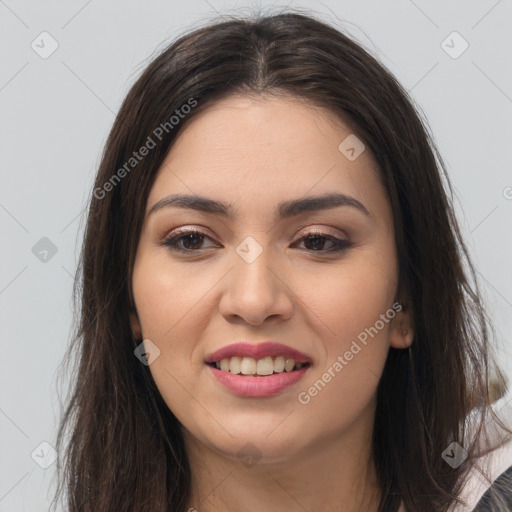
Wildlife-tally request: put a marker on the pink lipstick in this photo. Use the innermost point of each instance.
(267, 348)
(259, 370)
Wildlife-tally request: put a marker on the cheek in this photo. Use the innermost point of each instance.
(167, 298)
(352, 313)
(169, 310)
(351, 296)
(346, 380)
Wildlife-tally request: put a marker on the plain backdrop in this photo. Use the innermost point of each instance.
(56, 112)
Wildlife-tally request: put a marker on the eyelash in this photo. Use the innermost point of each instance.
(172, 241)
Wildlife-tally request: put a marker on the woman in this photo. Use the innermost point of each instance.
(275, 313)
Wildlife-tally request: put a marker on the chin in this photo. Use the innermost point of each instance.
(265, 441)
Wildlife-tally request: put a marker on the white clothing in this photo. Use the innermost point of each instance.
(490, 466)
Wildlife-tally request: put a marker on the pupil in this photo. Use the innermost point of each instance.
(317, 240)
(192, 236)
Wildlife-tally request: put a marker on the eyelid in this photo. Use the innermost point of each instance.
(300, 231)
(173, 238)
(320, 231)
(185, 230)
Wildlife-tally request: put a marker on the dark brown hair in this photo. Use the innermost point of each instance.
(123, 446)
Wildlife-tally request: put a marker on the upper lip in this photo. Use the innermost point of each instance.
(259, 351)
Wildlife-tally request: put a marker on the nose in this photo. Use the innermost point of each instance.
(256, 290)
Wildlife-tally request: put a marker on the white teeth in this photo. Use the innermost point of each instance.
(265, 366)
(279, 364)
(234, 364)
(289, 364)
(250, 366)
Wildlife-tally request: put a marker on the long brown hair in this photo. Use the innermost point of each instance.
(120, 447)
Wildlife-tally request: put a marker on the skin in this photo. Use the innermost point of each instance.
(252, 152)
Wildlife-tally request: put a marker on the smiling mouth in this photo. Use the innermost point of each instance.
(250, 367)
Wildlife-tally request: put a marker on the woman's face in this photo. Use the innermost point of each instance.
(266, 272)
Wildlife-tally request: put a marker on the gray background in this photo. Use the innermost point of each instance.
(56, 114)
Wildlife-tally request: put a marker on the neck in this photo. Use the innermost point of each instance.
(334, 473)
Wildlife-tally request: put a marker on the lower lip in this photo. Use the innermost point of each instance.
(256, 386)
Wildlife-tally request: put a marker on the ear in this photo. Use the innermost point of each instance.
(401, 327)
(135, 326)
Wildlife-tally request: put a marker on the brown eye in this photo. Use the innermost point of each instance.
(315, 242)
(190, 240)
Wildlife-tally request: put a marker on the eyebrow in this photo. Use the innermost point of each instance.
(286, 209)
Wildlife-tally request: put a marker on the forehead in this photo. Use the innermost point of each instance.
(281, 125)
(243, 147)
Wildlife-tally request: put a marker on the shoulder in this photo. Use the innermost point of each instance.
(502, 488)
(491, 475)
